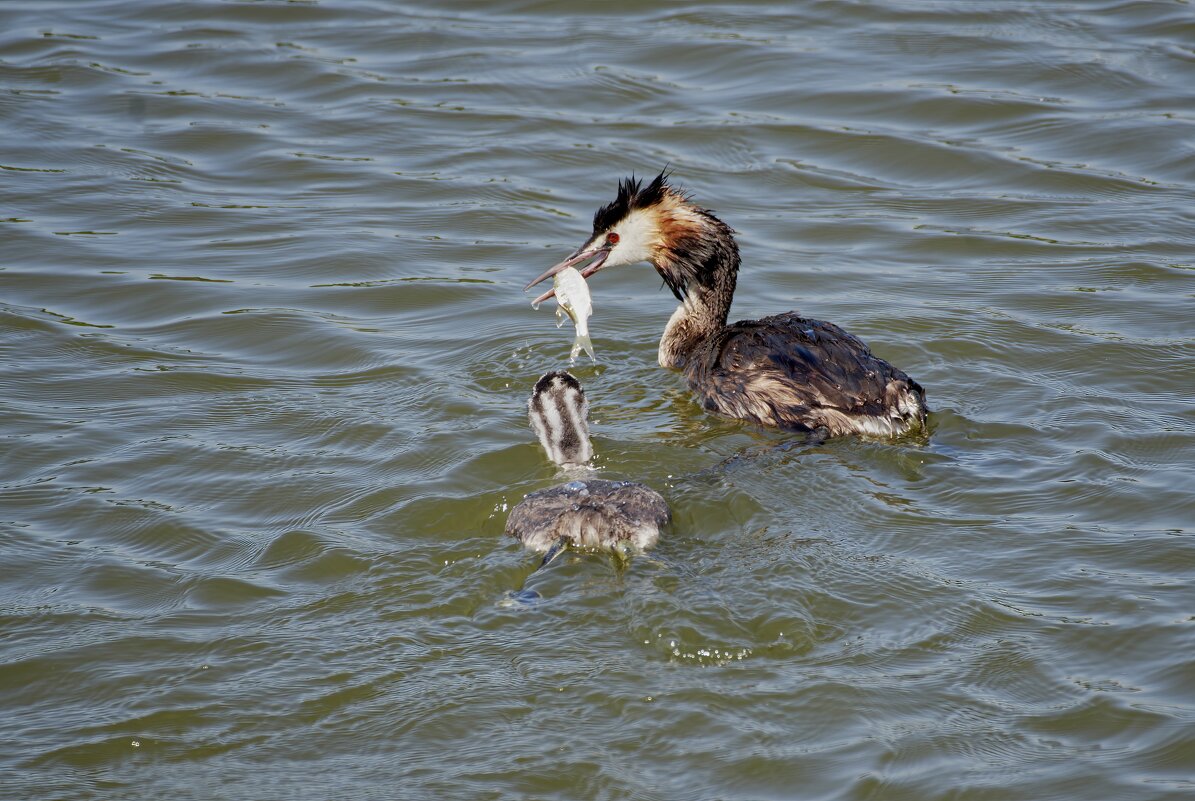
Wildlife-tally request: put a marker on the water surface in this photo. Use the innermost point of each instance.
(264, 355)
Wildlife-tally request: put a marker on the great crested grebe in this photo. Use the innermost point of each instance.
(784, 370)
(586, 512)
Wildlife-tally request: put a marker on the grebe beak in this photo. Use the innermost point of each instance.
(586, 252)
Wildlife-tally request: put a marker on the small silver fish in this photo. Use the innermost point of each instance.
(572, 298)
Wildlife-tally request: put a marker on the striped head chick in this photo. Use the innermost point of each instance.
(585, 512)
(559, 414)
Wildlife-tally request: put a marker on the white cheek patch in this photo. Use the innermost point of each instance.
(636, 234)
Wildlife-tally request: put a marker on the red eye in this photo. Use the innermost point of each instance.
(612, 238)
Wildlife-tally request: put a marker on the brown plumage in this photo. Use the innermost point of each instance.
(784, 370)
(801, 374)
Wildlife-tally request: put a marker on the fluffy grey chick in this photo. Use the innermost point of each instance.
(587, 512)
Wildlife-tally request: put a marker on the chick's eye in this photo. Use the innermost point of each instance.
(612, 238)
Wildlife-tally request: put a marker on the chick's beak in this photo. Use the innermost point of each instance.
(586, 252)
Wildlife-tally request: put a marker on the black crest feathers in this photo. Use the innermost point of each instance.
(631, 195)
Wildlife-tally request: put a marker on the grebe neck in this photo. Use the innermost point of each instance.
(700, 316)
(701, 271)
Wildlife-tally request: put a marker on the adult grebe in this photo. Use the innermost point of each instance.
(785, 370)
(587, 512)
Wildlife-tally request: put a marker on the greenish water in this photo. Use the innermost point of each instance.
(264, 354)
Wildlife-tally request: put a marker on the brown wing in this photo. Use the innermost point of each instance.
(803, 374)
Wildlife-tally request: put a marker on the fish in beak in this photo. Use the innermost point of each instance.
(595, 249)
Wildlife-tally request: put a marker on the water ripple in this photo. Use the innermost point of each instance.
(265, 357)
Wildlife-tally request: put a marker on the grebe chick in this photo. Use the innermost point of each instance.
(785, 370)
(586, 512)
